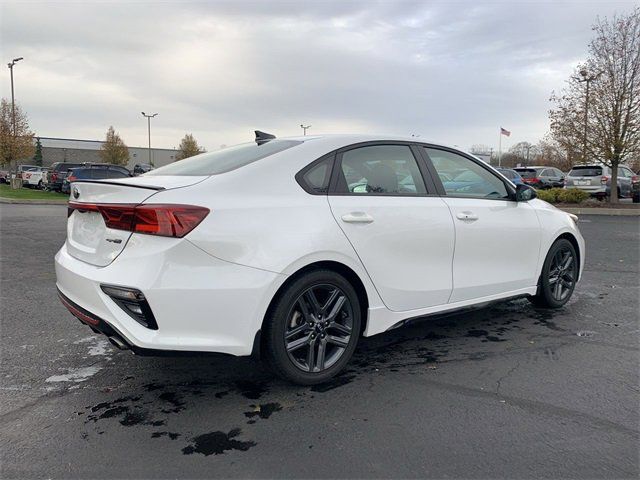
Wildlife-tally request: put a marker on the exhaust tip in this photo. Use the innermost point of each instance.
(119, 344)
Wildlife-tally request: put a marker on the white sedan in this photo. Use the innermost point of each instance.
(294, 248)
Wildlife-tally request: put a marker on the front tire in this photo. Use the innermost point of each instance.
(559, 275)
(312, 330)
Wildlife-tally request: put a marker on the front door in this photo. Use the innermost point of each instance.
(497, 239)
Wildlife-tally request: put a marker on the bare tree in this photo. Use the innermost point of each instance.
(188, 147)
(550, 152)
(608, 124)
(113, 149)
(14, 147)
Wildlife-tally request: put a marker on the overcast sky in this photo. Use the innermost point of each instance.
(452, 72)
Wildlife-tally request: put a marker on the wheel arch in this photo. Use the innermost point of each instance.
(576, 245)
(574, 241)
(342, 269)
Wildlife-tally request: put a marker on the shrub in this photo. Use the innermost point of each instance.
(572, 195)
(550, 195)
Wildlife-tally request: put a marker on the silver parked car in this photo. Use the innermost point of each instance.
(596, 179)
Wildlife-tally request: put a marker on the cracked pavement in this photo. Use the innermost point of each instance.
(507, 391)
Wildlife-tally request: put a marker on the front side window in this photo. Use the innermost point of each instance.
(380, 169)
(468, 179)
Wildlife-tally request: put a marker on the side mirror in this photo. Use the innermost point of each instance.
(524, 193)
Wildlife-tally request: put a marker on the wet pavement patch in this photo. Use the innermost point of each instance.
(216, 443)
(251, 390)
(264, 410)
(173, 399)
(171, 435)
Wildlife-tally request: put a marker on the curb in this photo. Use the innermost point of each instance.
(18, 201)
(624, 212)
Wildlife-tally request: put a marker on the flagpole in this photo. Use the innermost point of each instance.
(500, 147)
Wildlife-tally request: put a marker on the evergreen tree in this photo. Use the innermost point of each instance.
(188, 147)
(37, 157)
(113, 149)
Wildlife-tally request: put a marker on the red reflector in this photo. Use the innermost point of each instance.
(150, 219)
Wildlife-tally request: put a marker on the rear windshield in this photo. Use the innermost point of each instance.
(225, 160)
(585, 172)
(527, 173)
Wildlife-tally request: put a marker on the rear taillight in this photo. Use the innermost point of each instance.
(604, 180)
(54, 177)
(533, 180)
(635, 179)
(151, 219)
(71, 178)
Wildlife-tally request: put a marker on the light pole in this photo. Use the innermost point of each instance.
(13, 99)
(586, 78)
(304, 128)
(149, 117)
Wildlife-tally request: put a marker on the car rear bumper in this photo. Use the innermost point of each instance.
(200, 303)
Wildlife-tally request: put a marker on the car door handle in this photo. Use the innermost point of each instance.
(469, 216)
(357, 217)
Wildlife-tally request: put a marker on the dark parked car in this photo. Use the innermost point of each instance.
(541, 177)
(58, 173)
(94, 172)
(141, 168)
(511, 174)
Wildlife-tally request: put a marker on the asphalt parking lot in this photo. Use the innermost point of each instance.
(503, 392)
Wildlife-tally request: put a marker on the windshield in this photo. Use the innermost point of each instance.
(585, 172)
(225, 160)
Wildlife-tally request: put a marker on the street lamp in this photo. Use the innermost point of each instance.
(149, 117)
(13, 99)
(304, 128)
(586, 78)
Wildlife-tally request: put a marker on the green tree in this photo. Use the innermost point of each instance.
(605, 128)
(37, 157)
(113, 149)
(188, 147)
(14, 147)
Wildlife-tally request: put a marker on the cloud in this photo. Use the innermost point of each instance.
(452, 72)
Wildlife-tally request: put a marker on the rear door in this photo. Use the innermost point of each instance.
(401, 230)
(491, 229)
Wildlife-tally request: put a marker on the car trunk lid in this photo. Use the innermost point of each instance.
(89, 238)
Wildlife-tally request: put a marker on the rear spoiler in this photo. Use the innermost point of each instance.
(148, 187)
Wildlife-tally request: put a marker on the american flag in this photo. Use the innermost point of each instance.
(504, 132)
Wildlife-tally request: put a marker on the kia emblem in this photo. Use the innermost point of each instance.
(76, 192)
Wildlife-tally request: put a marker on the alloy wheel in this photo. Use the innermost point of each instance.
(562, 274)
(319, 328)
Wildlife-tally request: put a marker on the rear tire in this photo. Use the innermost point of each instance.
(559, 276)
(312, 330)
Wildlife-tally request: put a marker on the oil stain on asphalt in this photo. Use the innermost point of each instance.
(215, 443)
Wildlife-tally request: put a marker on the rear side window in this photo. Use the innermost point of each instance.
(585, 172)
(316, 178)
(380, 169)
(221, 161)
